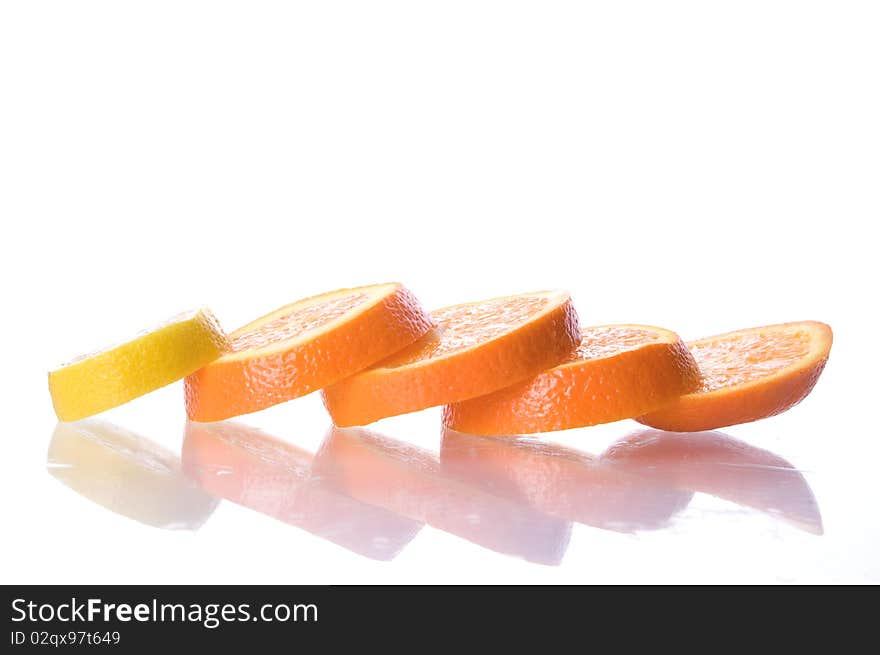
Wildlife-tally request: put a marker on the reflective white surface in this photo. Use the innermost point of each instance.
(404, 502)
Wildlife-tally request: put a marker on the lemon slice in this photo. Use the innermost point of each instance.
(99, 381)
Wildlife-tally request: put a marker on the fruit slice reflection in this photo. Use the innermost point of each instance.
(640, 482)
(719, 465)
(561, 482)
(252, 469)
(127, 474)
(410, 481)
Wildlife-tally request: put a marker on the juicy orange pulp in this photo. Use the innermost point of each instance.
(475, 349)
(304, 347)
(616, 372)
(465, 326)
(748, 375)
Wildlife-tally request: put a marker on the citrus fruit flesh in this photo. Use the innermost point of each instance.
(127, 474)
(303, 347)
(475, 349)
(616, 372)
(748, 375)
(99, 381)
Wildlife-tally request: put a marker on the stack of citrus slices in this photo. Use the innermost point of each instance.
(513, 365)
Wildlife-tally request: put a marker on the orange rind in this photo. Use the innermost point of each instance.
(475, 349)
(748, 375)
(616, 372)
(303, 347)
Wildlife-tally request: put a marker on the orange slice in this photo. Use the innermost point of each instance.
(616, 372)
(748, 375)
(303, 347)
(475, 349)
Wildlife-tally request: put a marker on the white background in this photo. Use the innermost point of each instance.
(701, 166)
